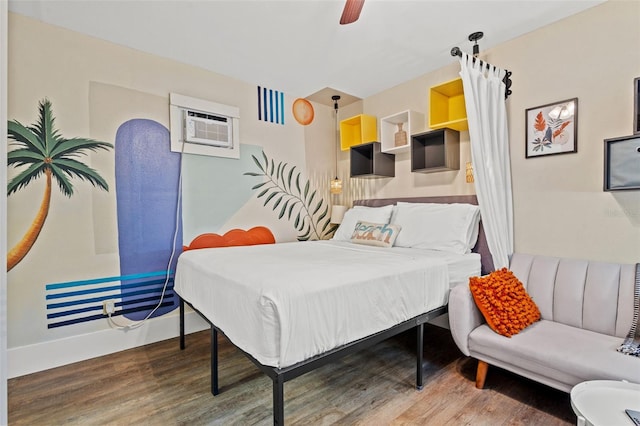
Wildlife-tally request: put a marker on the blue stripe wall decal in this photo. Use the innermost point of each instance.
(101, 298)
(75, 321)
(82, 292)
(131, 293)
(270, 105)
(103, 289)
(73, 312)
(106, 279)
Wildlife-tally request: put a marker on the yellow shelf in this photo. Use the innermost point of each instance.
(357, 130)
(447, 107)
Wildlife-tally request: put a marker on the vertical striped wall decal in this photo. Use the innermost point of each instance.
(259, 100)
(270, 105)
(264, 103)
(282, 109)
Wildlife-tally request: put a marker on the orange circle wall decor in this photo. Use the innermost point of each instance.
(303, 111)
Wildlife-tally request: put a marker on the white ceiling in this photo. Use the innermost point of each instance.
(298, 46)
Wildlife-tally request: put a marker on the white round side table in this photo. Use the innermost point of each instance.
(602, 402)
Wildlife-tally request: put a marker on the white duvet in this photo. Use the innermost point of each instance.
(284, 303)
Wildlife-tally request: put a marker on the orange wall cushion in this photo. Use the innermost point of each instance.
(206, 241)
(234, 237)
(504, 302)
(262, 234)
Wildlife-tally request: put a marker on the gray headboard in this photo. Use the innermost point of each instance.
(481, 246)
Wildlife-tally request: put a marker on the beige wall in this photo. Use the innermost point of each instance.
(560, 208)
(94, 87)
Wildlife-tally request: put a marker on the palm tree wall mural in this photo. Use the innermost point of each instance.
(42, 150)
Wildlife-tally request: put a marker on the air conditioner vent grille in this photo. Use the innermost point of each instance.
(208, 129)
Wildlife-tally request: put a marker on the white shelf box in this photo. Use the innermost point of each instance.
(413, 122)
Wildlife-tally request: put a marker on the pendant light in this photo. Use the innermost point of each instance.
(336, 183)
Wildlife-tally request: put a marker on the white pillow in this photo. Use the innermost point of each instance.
(361, 213)
(446, 227)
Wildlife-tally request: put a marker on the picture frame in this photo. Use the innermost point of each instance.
(636, 106)
(552, 129)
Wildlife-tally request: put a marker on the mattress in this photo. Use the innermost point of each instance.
(284, 303)
(460, 266)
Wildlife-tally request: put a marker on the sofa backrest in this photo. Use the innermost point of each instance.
(595, 296)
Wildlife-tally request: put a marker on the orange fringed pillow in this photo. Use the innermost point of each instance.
(504, 302)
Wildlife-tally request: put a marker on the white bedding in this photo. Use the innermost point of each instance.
(284, 303)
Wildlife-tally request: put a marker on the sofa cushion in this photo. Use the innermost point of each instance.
(568, 354)
(504, 302)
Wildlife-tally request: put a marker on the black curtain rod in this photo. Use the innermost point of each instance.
(507, 77)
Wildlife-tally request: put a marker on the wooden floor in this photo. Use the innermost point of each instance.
(160, 385)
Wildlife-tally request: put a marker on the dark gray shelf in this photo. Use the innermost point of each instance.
(435, 151)
(622, 163)
(367, 161)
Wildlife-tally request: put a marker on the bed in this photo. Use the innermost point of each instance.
(292, 307)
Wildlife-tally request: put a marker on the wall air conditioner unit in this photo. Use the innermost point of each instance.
(208, 129)
(202, 127)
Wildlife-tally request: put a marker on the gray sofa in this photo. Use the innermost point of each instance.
(586, 312)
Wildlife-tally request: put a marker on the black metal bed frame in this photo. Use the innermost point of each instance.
(281, 375)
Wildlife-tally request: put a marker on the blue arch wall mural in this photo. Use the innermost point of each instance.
(147, 176)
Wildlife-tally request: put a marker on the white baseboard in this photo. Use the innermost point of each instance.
(29, 359)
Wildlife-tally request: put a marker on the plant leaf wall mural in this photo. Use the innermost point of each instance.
(292, 197)
(42, 150)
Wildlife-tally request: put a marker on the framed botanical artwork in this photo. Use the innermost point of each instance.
(552, 129)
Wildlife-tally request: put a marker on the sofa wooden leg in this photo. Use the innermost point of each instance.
(481, 374)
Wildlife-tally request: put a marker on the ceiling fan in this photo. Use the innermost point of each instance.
(351, 11)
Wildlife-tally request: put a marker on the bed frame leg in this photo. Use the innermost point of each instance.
(182, 346)
(419, 349)
(214, 361)
(278, 400)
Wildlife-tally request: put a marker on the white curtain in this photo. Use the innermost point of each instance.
(484, 94)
